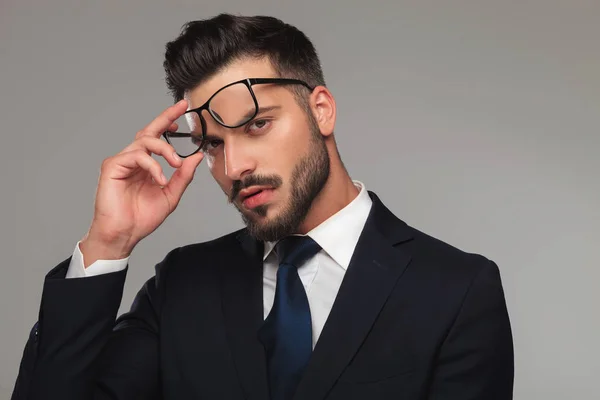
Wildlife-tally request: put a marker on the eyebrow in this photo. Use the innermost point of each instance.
(261, 110)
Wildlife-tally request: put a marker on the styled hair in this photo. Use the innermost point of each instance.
(205, 47)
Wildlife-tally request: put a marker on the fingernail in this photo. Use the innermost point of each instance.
(176, 157)
(164, 178)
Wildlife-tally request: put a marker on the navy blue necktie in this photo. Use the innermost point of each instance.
(287, 331)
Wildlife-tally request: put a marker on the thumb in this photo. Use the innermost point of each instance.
(182, 177)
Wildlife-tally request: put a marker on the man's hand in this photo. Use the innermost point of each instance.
(133, 196)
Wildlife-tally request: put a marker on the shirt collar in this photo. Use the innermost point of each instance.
(338, 235)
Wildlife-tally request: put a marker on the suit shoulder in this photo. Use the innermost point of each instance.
(437, 255)
(217, 244)
(431, 254)
(189, 254)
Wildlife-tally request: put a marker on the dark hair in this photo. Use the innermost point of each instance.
(206, 46)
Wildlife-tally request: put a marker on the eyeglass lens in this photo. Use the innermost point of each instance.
(232, 106)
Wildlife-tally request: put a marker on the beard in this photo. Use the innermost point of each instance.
(308, 179)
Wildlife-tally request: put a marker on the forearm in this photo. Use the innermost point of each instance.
(75, 321)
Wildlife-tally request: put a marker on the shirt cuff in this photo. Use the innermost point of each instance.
(99, 267)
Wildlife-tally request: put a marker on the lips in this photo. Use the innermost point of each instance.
(251, 191)
(255, 196)
(244, 194)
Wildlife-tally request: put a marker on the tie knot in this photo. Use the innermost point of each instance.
(295, 250)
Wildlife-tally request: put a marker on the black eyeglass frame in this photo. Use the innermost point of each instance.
(249, 82)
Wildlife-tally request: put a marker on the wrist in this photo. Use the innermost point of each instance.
(94, 249)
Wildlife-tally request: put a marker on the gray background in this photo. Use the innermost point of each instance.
(475, 121)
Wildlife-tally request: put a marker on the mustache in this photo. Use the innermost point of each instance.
(273, 181)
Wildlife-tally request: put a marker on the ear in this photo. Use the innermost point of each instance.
(322, 104)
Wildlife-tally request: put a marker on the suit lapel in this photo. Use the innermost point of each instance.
(243, 312)
(374, 269)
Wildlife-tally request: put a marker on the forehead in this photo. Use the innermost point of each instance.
(235, 71)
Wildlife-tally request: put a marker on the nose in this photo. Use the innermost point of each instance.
(238, 161)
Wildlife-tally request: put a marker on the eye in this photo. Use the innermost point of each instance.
(258, 125)
(196, 139)
(211, 144)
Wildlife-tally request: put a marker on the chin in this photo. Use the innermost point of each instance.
(263, 224)
(261, 214)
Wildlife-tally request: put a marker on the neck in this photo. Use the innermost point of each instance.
(337, 193)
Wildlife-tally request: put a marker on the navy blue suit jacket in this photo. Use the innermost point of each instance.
(415, 318)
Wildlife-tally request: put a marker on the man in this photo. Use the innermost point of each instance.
(324, 294)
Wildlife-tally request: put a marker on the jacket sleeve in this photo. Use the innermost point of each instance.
(475, 361)
(79, 350)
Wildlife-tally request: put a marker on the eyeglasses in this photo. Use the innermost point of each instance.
(231, 106)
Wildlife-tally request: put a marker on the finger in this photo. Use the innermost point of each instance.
(174, 126)
(164, 120)
(182, 178)
(155, 146)
(124, 165)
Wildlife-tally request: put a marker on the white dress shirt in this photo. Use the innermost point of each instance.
(321, 275)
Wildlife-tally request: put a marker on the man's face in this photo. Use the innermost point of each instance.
(274, 166)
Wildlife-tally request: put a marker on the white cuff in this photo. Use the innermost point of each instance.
(99, 267)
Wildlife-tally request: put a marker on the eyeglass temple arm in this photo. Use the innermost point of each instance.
(177, 134)
(281, 80)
